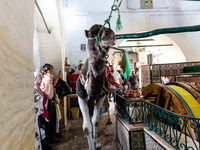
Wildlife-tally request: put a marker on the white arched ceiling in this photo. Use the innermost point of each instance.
(148, 24)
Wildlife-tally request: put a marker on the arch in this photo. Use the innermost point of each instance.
(148, 24)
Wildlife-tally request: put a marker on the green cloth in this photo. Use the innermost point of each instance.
(129, 66)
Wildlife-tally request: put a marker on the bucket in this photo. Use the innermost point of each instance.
(75, 112)
(102, 110)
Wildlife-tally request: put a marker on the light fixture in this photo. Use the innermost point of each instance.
(138, 65)
(112, 61)
(115, 56)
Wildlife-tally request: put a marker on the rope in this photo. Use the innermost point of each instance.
(107, 21)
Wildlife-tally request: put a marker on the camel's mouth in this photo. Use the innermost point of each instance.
(108, 43)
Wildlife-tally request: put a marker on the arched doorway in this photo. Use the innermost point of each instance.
(180, 40)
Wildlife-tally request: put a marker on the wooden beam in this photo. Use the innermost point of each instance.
(159, 95)
(118, 48)
(167, 100)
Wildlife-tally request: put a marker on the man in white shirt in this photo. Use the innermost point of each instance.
(118, 79)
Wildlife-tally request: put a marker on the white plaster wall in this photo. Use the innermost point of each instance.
(50, 44)
(37, 54)
(162, 54)
(78, 18)
(166, 5)
(119, 58)
(16, 68)
(61, 7)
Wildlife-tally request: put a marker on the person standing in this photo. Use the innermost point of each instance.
(47, 86)
(118, 80)
(133, 80)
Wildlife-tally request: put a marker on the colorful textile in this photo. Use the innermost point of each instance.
(47, 85)
(57, 103)
(38, 111)
(72, 79)
(129, 66)
(37, 84)
(111, 79)
(46, 113)
(82, 80)
(126, 65)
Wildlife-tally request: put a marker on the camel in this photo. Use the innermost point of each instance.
(92, 86)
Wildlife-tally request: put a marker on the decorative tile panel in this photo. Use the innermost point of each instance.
(146, 4)
(137, 140)
(145, 74)
(172, 69)
(175, 69)
(122, 136)
(192, 63)
(156, 80)
(151, 143)
(129, 140)
(155, 70)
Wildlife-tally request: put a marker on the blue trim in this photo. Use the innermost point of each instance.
(187, 106)
(154, 140)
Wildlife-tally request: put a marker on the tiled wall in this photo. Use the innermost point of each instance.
(122, 135)
(145, 73)
(137, 140)
(175, 69)
(156, 70)
(151, 143)
(156, 80)
(159, 70)
(129, 140)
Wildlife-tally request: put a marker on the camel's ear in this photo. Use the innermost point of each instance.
(86, 33)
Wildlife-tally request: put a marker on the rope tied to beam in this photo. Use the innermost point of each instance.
(107, 21)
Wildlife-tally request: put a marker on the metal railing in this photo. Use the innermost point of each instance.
(181, 132)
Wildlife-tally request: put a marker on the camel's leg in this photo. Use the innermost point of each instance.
(107, 106)
(95, 121)
(87, 127)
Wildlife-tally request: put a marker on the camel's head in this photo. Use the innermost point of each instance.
(107, 36)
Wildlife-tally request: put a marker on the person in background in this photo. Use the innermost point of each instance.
(47, 82)
(118, 79)
(58, 114)
(48, 87)
(38, 99)
(133, 80)
(41, 113)
(125, 84)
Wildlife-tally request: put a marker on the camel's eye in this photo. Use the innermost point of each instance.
(106, 33)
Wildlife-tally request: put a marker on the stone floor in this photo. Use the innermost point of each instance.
(75, 139)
